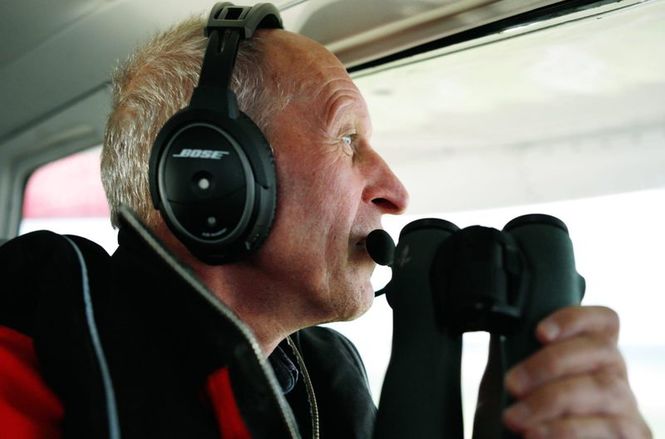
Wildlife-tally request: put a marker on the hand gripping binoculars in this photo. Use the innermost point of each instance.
(447, 281)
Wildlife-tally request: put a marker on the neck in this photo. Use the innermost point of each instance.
(270, 309)
(267, 309)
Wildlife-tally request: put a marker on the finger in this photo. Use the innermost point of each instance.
(590, 427)
(602, 393)
(571, 321)
(582, 354)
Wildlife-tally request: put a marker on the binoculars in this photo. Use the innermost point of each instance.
(447, 281)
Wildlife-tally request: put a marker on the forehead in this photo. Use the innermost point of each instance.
(313, 71)
(297, 54)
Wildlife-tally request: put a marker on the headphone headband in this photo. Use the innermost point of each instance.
(227, 26)
(246, 19)
(212, 173)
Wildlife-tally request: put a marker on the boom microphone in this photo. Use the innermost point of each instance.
(380, 247)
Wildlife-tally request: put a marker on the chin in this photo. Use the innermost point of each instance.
(358, 303)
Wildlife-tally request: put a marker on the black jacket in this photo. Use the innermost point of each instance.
(129, 342)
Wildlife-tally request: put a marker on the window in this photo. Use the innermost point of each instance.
(565, 117)
(66, 196)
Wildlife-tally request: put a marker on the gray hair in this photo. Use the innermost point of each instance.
(152, 85)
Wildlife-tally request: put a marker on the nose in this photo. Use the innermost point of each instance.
(384, 189)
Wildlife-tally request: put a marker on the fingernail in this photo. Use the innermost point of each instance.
(549, 330)
(517, 381)
(517, 415)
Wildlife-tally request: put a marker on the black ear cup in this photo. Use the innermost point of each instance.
(212, 173)
(217, 197)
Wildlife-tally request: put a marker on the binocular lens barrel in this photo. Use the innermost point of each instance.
(447, 281)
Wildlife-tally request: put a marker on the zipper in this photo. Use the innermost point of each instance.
(311, 397)
(153, 242)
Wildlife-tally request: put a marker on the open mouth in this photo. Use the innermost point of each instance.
(361, 248)
(361, 244)
(358, 245)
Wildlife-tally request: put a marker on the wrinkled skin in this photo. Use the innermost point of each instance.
(576, 386)
(333, 189)
(333, 186)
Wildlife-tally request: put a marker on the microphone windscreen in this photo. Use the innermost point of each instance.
(380, 247)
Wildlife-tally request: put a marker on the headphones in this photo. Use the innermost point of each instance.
(211, 170)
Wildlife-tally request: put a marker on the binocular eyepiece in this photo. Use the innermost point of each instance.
(447, 281)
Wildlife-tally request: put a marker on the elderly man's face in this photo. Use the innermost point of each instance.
(332, 186)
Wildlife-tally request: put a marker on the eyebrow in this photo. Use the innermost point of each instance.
(336, 106)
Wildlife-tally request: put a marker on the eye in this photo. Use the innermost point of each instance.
(349, 141)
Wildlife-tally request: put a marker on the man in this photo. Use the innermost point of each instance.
(333, 189)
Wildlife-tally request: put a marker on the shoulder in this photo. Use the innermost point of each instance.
(28, 407)
(44, 246)
(330, 346)
(36, 266)
(327, 337)
(340, 382)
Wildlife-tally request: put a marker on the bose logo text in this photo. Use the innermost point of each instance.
(201, 154)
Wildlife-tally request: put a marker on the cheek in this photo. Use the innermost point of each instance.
(318, 197)
(336, 199)
(314, 191)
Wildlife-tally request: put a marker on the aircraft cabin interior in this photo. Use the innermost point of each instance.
(485, 109)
